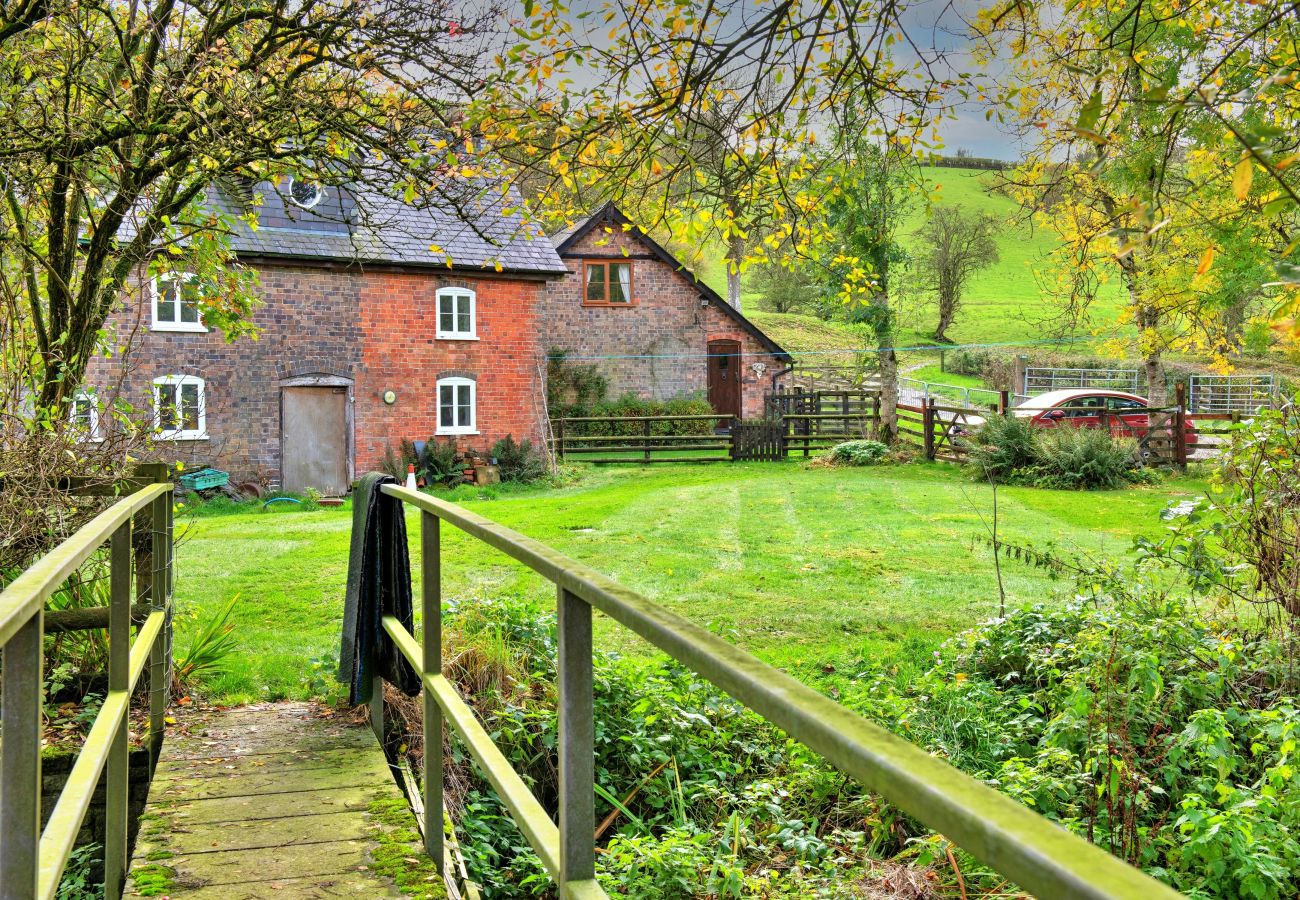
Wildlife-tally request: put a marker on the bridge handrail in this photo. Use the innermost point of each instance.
(32, 861)
(1028, 849)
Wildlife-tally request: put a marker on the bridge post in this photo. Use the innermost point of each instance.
(160, 565)
(119, 655)
(20, 761)
(431, 639)
(577, 739)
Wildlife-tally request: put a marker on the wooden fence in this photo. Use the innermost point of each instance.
(801, 422)
(32, 860)
(644, 439)
(1038, 855)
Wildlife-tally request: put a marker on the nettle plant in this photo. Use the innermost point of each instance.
(1155, 712)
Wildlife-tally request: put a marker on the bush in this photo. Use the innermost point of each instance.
(859, 453)
(1001, 448)
(518, 460)
(630, 405)
(1011, 450)
(439, 463)
(1084, 458)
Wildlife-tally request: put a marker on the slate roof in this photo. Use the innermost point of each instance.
(612, 215)
(367, 226)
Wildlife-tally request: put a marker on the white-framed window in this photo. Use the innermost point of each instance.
(457, 406)
(456, 315)
(83, 415)
(305, 193)
(179, 408)
(175, 300)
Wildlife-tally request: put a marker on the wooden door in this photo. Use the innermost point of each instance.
(724, 378)
(314, 439)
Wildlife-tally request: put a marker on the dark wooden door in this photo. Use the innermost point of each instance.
(724, 377)
(314, 439)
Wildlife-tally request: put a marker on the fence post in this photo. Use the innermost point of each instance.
(559, 437)
(927, 428)
(1180, 425)
(645, 439)
(577, 739)
(20, 763)
(1004, 402)
(158, 518)
(431, 640)
(119, 653)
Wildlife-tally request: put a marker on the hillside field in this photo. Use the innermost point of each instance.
(1004, 304)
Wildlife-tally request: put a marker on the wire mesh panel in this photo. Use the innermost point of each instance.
(1230, 393)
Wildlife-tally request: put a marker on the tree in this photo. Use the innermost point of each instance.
(957, 244)
(120, 117)
(870, 201)
(1147, 123)
(784, 288)
(635, 98)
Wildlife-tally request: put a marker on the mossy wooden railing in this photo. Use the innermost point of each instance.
(1031, 851)
(31, 860)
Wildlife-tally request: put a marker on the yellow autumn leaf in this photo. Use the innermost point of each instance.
(1207, 260)
(1242, 177)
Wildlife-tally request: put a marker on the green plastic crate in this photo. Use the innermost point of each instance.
(204, 479)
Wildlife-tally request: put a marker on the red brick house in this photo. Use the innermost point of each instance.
(653, 328)
(368, 335)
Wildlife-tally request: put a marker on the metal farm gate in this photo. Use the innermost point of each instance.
(1230, 393)
(1040, 380)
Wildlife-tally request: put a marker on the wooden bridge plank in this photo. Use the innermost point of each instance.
(274, 801)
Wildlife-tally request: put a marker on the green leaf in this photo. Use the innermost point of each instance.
(1090, 113)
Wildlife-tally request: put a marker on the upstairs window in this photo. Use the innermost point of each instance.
(607, 284)
(176, 303)
(179, 408)
(456, 401)
(456, 315)
(305, 193)
(83, 415)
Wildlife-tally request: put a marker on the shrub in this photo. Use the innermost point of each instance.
(439, 463)
(1011, 450)
(859, 453)
(518, 460)
(1084, 458)
(1002, 447)
(630, 405)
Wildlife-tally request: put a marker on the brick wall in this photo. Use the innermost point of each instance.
(401, 354)
(375, 329)
(660, 342)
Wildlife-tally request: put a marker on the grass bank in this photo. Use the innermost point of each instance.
(809, 569)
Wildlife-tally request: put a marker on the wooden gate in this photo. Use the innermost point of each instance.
(763, 440)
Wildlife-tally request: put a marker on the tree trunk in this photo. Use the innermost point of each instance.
(889, 396)
(884, 328)
(735, 253)
(947, 312)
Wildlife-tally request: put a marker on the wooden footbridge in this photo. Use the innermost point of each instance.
(274, 801)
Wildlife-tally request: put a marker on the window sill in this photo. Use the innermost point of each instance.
(186, 327)
(181, 436)
(631, 305)
(456, 337)
(454, 432)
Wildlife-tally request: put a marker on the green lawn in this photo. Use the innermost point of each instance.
(805, 567)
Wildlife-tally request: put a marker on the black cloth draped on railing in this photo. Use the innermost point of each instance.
(379, 584)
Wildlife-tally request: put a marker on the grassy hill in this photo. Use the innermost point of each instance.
(1004, 303)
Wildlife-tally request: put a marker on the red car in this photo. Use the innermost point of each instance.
(1125, 414)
